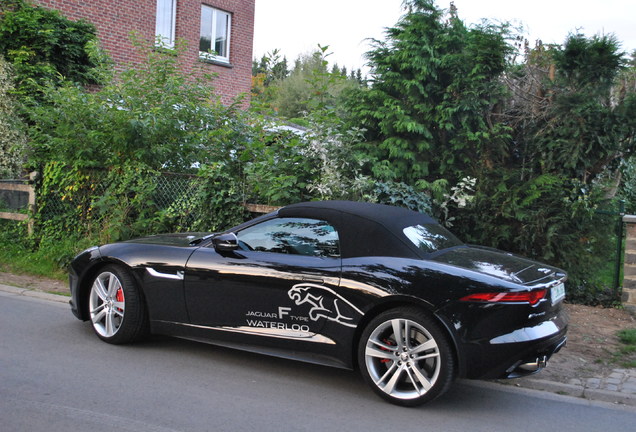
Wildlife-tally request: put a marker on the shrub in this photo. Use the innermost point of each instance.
(45, 47)
(12, 135)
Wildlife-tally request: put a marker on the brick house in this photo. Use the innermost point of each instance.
(219, 33)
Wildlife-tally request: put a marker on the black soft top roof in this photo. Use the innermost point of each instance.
(386, 215)
(365, 229)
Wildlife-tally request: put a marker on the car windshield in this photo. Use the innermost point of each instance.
(431, 237)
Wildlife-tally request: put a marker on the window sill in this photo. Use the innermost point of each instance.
(215, 62)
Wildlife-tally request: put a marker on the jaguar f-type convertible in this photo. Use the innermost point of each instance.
(380, 288)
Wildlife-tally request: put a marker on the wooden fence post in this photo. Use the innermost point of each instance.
(28, 188)
(260, 208)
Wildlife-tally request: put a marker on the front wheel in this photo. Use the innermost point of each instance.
(405, 357)
(116, 308)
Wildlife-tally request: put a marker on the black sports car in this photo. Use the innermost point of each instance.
(384, 289)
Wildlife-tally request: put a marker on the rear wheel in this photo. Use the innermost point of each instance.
(115, 306)
(405, 357)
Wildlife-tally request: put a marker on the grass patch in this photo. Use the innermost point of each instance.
(49, 259)
(627, 336)
(626, 355)
(14, 259)
(67, 294)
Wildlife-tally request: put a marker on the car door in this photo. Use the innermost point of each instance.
(279, 282)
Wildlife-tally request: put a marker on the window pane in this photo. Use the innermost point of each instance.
(220, 39)
(205, 42)
(163, 24)
(431, 237)
(295, 236)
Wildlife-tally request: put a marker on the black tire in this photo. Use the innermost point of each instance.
(410, 372)
(116, 307)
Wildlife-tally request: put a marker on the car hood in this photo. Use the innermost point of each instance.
(180, 239)
(501, 265)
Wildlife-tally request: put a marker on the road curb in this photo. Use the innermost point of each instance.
(27, 292)
(610, 396)
(574, 390)
(550, 386)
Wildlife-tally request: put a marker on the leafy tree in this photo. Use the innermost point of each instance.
(572, 114)
(153, 114)
(153, 118)
(271, 66)
(542, 140)
(580, 121)
(265, 74)
(104, 151)
(45, 47)
(434, 94)
(308, 87)
(275, 164)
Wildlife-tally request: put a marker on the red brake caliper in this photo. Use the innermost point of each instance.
(120, 297)
(388, 342)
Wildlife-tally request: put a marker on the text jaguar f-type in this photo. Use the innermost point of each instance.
(353, 285)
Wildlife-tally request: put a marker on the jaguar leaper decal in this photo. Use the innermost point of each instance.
(325, 303)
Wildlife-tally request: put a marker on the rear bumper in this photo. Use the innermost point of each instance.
(509, 341)
(535, 362)
(515, 359)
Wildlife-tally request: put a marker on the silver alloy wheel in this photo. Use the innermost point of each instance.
(107, 304)
(402, 358)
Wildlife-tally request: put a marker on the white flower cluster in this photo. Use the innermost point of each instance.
(12, 137)
(338, 175)
(461, 193)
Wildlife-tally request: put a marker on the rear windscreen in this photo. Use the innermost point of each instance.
(431, 237)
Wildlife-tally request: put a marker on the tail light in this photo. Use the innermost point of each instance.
(530, 297)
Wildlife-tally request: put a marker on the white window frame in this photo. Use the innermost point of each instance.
(213, 56)
(163, 40)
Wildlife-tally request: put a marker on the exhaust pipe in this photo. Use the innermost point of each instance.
(536, 365)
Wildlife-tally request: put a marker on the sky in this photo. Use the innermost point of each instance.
(296, 27)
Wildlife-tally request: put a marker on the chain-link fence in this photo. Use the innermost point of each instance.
(102, 201)
(172, 188)
(90, 201)
(165, 192)
(57, 200)
(168, 189)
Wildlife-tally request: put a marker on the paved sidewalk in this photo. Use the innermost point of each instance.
(620, 380)
(618, 387)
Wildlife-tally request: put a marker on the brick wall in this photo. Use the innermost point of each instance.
(115, 19)
(629, 266)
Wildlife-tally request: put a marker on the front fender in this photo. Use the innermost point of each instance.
(79, 268)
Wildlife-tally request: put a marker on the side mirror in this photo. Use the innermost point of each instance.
(225, 242)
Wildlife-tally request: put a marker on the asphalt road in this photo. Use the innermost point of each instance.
(55, 375)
